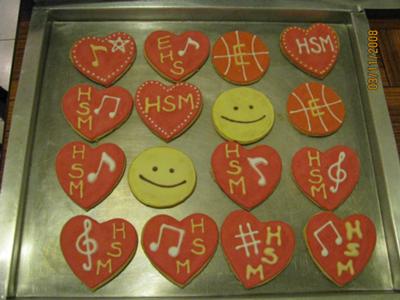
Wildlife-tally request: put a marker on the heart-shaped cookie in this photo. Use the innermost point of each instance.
(104, 59)
(327, 178)
(88, 175)
(168, 110)
(313, 50)
(256, 251)
(247, 176)
(180, 249)
(341, 248)
(97, 252)
(94, 113)
(176, 57)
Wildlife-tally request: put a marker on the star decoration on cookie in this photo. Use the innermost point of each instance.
(118, 45)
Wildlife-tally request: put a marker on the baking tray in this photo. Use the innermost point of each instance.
(34, 207)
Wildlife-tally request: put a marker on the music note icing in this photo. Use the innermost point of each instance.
(173, 251)
(189, 42)
(254, 162)
(338, 240)
(94, 48)
(105, 159)
(340, 174)
(89, 244)
(113, 113)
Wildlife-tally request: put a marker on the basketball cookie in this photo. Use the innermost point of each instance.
(243, 114)
(256, 251)
(247, 176)
(97, 252)
(104, 59)
(240, 57)
(315, 109)
(168, 111)
(327, 178)
(176, 57)
(313, 50)
(180, 250)
(88, 175)
(94, 113)
(341, 248)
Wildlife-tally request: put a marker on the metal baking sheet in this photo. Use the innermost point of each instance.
(34, 207)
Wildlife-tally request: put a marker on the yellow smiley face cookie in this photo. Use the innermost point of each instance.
(162, 177)
(243, 114)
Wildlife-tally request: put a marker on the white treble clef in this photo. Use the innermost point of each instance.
(87, 242)
(340, 175)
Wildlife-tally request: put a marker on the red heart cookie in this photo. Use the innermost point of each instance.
(313, 50)
(88, 175)
(176, 57)
(256, 251)
(180, 249)
(97, 252)
(94, 113)
(340, 248)
(247, 176)
(327, 178)
(104, 60)
(168, 111)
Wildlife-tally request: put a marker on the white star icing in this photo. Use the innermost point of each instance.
(118, 44)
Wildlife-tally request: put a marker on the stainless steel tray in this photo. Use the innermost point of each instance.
(34, 207)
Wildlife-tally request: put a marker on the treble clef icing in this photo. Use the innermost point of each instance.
(340, 175)
(89, 245)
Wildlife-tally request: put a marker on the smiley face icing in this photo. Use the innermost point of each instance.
(243, 114)
(162, 177)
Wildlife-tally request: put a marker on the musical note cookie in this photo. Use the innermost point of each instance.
(247, 176)
(88, 175)
(341, 248)
(168, 111)
(180, 250)
(240, 57)
(97, 252)
(315, 109)
(243, 114)
(327, 178)
(162, 177)
(176, 57)
(104, 59)
(256, 251)
(94, 113)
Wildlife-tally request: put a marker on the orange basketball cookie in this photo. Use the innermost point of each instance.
(315, 109)
(240, 57)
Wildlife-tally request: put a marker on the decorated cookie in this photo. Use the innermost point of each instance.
(327, 178)
(243, 114)
(313, 50)
(162, 177)
(180, 250)
(104, 60)
(177, 57)
(168, 110)
(94, 113)
(88, 175)
(240, 57)
(97, 252)
(315, 109)
(256, 251)
(247, 176)
(341, 248)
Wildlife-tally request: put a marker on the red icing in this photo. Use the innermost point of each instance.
(166, 53)
(199, 241)
(170, 109)
(343, 248)
(104, 59)
(115, 242)
(236, 169)
(76, 161)
(90, 115)
(270, 250)
(310, 169)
